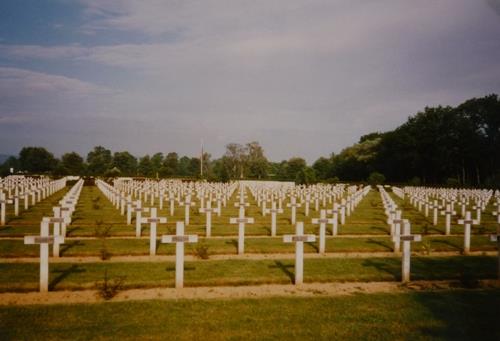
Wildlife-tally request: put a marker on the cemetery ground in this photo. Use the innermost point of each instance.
(351, 291)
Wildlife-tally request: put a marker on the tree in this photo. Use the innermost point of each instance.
(36, 160)
(322, 168)
(235, 160)
(256, 161)
(99, 160)
(125, 162)
(73, 163)
(145, 167)
(376, 178)
(170, 165)
(295, 166)
(11, 162)
(156, 163)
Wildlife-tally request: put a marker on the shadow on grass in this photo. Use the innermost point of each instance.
(391, 266)
(186, 268)
(314, 246)
(63, 274)
(448, 243)
(462, 315)
(284, 267)
(234, 243)
(380, 243)
(68, 246)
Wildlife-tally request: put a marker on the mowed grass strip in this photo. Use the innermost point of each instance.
(452, 315)
(24, 276)
(131, 247)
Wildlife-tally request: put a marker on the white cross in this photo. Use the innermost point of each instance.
(293, 205)
(179, 239)
(274, 211)
(407, 238)
(299, 238)
(342, 207)
(44, 240)
(208, 212)
(241, 221)
(397, 222)
(467, 222)
(322, 221)
(187, 203)
(153, 220)
(448, 213)
(335, 213)
(129, 210)
(138, 209)
(57, 220)
(3, 204)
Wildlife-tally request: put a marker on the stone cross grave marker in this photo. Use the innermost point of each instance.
(435, 208)
(3, 203)
(153, 220)
(138, 209)
(342, 207)
(44, 240)
(467, 222)
(299, 238)
(293, 205)
(335, 214)
(208, 213)
(406, 237)
(274, 211)
(448, 213)
(179, 239)
(187, 204)
(322, 221)
(241, 221)
(397, 223)
(57, 220)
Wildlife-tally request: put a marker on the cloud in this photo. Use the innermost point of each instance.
(19, 83)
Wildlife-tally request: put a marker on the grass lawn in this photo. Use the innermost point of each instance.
(116, 247)
(24, 276)
(452, 315)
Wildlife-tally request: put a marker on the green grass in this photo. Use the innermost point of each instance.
(92, 247)
(24, 276)
(455, 315)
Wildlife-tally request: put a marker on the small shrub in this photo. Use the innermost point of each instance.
(108, 289)
(426, 247)
(103, 252)
(102, 232)
(201, 251)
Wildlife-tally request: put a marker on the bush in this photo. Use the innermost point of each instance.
(108, 289)
(376, 178)
(201, 251)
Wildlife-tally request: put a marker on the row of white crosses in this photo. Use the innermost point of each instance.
(60, 219)
(439, 198)
(18, 187)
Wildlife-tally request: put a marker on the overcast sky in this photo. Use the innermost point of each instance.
(302, 77)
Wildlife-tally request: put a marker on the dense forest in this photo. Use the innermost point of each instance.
(456, 146)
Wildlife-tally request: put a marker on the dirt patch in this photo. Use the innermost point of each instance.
(237, 292)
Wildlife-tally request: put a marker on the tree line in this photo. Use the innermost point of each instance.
(440, 145)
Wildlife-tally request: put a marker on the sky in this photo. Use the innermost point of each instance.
(302, 77)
